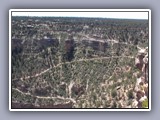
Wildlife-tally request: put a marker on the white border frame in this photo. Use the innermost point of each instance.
(89, 10)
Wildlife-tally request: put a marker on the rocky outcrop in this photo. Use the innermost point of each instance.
(141, 88)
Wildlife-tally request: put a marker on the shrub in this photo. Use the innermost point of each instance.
(145, 104)
(130, 94)
(114, 93)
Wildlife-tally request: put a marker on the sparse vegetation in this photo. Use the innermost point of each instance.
(75, 62)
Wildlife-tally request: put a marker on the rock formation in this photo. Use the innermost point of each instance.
(141, 88)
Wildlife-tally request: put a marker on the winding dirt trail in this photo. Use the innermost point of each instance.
(80, 60)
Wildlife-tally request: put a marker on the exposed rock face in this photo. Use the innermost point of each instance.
(141, 88)
(95, 44)
(101, 46)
